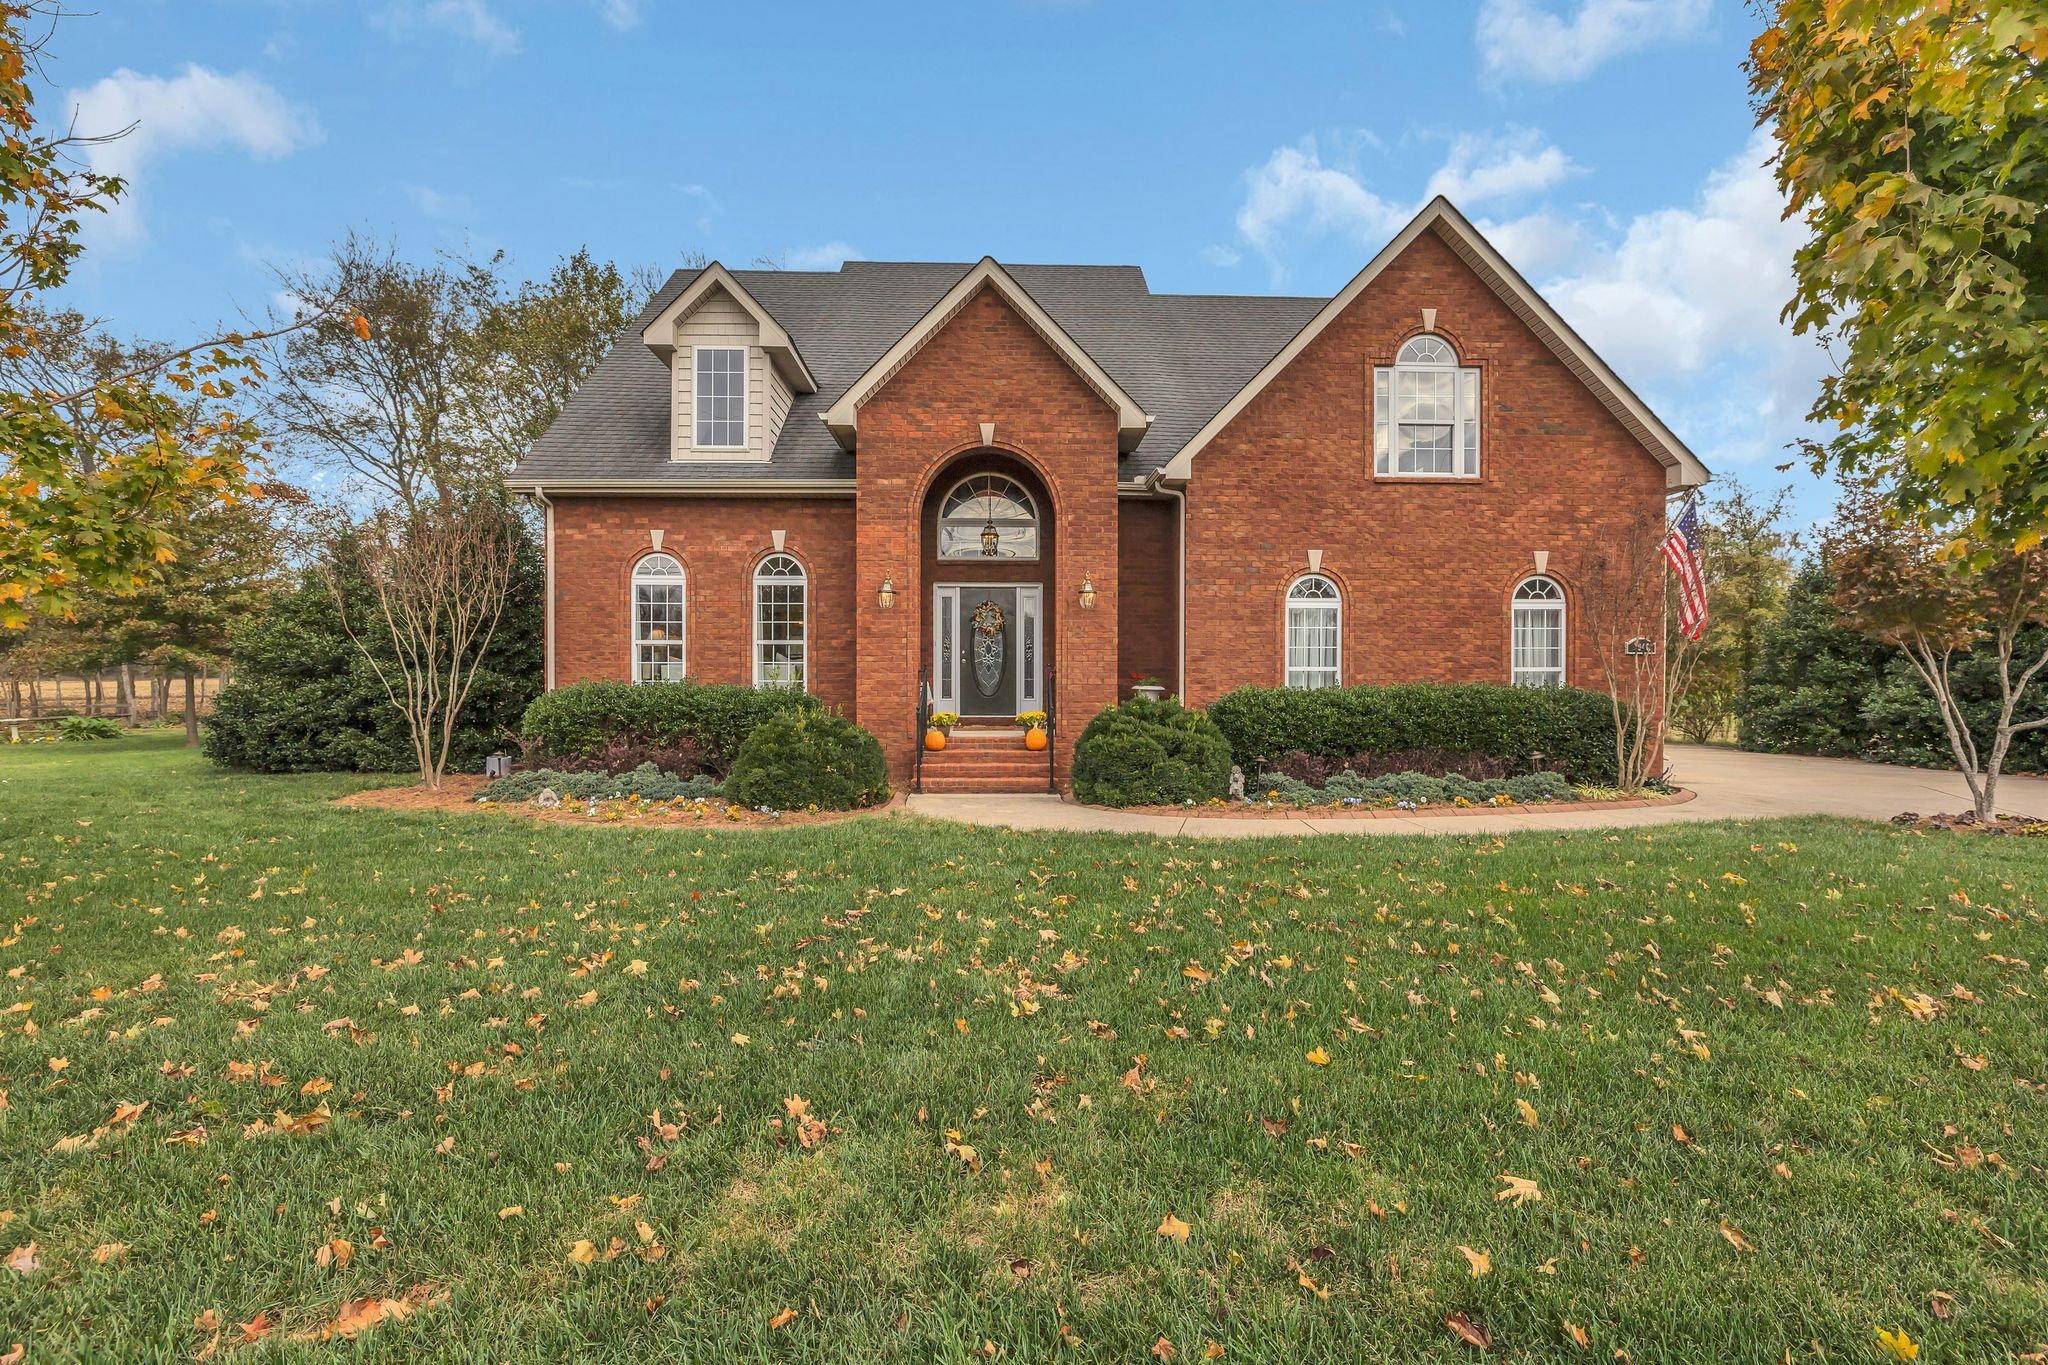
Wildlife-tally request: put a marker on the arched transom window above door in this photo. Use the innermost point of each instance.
(988, 516)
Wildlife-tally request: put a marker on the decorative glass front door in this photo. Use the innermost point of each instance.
(987, 649)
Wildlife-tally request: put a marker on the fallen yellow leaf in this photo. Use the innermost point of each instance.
(1482, 1262)
(1173, 1227)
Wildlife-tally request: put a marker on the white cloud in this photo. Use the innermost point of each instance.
(1686, 302)
(1535, 243)
(826, 256)
(1512, 165)
(196, 110)
(435, 204)
(472, 21)
(1295, 194)
(1221, 256)
(1294, 190)
(1526, 40)
(620, 14)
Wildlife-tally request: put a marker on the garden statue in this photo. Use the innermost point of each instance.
(546, 798)
(1236, 783)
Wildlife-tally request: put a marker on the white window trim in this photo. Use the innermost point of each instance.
(681, 580)
(1287, 608)
(697, 397)
(803, 580)
(1386, 424)
(1556, 607)
(1037, 524)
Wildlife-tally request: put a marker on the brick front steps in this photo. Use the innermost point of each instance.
(985, 761)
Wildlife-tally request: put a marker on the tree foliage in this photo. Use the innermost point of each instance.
(1913, 143)
(99, 466)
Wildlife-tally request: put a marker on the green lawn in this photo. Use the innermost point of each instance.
(1784, 1084)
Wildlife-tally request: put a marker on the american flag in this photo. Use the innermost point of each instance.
(1682, 551)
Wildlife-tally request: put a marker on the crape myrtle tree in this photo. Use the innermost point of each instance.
(1900, 581)
(1621, 596)
(1913, 148)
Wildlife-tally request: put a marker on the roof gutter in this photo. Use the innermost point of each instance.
(697, 488)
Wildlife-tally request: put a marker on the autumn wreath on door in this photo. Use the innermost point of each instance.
(987, 622)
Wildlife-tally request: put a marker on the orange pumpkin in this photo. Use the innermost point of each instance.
(1034, 739)
(935, 740)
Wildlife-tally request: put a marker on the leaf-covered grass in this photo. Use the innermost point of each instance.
(1817, 1040)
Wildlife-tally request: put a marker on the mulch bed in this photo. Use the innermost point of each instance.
(1967, 823)
(458, 793)
(1261, 811)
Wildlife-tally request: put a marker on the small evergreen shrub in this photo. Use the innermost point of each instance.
(87, 727)
(647, 782)
(1143, 753)
(808, 757)
(1572, 729)
(1414, 789)
(681, 758)
(586, 719)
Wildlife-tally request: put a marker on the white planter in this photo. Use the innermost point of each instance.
(1149, 692)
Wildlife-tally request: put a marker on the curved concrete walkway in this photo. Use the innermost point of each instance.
(1732, 786)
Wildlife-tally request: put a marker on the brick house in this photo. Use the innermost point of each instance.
(1022, 487)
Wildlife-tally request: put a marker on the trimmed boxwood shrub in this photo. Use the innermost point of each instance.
(1573, 729)
(1144, 753)
(809, 757)
(587, 718)
(1414, 788)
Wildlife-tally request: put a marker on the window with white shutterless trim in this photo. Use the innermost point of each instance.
(781, 623)
(1315, 633)
(659, 600)
(720, 400)
(1426, 413)
(1538, 633)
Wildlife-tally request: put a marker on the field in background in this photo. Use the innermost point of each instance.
(899, 1090)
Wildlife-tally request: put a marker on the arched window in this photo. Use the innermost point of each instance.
(1426, 413)
(987, 516)
(1315, 635)
(781, 623)
(1538, 630)
(658, 619)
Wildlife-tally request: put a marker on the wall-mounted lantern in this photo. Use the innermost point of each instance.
(887, 596)
(1088, 594)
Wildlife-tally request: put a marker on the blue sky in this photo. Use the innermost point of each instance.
(1605, 145)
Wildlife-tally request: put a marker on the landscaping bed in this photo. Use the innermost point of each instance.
(1343, 810)
(460, 794)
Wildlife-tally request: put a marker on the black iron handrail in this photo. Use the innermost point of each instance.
(924, 721)
(1052, 762)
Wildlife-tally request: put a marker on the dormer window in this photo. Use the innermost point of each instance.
(721, 397)
(1426, 413)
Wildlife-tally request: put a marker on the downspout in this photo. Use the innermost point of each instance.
(547, 561)
(1180, 557)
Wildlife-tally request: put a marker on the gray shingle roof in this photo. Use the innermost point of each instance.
(1181, 356)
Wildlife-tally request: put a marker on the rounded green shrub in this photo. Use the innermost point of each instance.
(87, 727)
(589, 717)
(1145, 753)
(808, 757)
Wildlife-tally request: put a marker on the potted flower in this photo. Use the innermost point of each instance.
(1145, 686)
(1034, 729)
(938, 728)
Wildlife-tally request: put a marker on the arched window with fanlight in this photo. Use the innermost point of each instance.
(1315, 633)
(781, 623)
(988, 516)
(1426, 413)
(1538, 633)
(658, 619)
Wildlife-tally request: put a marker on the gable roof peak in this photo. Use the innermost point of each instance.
(659, 334)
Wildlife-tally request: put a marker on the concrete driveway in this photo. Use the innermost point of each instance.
(1732, 786)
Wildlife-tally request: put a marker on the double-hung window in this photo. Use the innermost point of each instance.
(781, 623)
(1426, 413)
(1538, 633)
(658, 619)
(721, 397)
(1315, 635)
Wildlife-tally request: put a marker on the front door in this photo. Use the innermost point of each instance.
(988, 653)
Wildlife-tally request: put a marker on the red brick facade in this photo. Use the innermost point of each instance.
(1426, 567)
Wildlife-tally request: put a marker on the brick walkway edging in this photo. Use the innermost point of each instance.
(1277, 812)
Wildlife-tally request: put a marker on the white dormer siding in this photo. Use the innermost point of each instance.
(719, 320)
